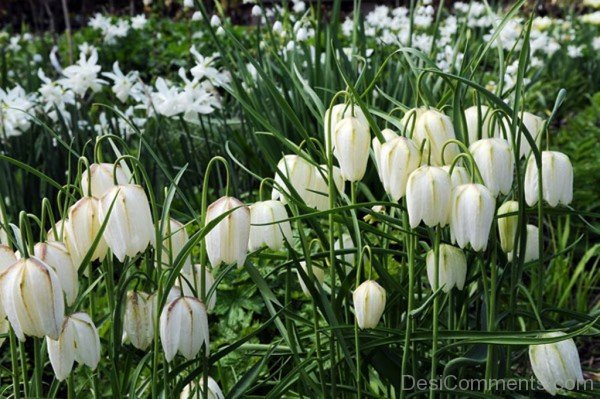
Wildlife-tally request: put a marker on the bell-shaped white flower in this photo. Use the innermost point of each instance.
(534, 125)
(338, 112)
(345, 243)
(55, 255)
(557, 364)
(78, 341)
(32, 298)
(129, 229)
(432, 130)
(318, 195)
(428, 194)
(352, 140)
(7, 258)
(532, 245)
(184, 328)
(102, 178)
(192, 285)
(452, 268)
(82, 228)
(138, 323)
(227, 242)
(507, 225)
(174, 239)
(318, 273)
(399, 157)
(269, 226)
(369, 304)
(300, 175)
(55, 233)
(194, 390)
(495, 162)
(472, 214)
(388, 134)
(458, 176)
(482, 123)
(557, 179)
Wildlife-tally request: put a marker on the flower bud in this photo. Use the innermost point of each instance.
(193, 390)
(557, 364)
(300, 175)
(428, 194)
(55, 255)
(78, 341)
(388, 134)
(459, 175)
(102, 178)
(435, 129)
(273, 234)
(369, 304)
(557, 179)
(452, 268)
(532, 245)
(352, 139)
(82, 228)
(399, 157)
(318, 273)
(337, 113)
(472, 214)
(318, 196)
(534, 125)
(495, 161)
(138, 324)
(129, 229)
(482, 123)
(32, 298)
(507, 225)
(174, 239)
(194, 279)
(184, 328)
(227, 242)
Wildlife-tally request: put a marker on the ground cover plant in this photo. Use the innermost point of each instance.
(389, 202)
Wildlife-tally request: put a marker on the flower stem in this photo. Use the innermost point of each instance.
(436, 305)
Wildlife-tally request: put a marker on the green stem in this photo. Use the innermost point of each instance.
(408, 239)
(436, 305)
(489, 367)
(14, 364)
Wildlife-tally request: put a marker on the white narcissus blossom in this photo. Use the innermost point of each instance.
(472, 215)
(227, 242)
(15, 106)
(125, 86)
(557, 364)
(175, 237)
(369, 304)
(129, 229)
(184, 328)
(78, 341)
(495, 162)
(83, 75)
(388, 134)
(193, 279)
(428, 194)
(56, 255)
(32, 298)
(335, 114)
(557, 179)
(398, 158)
(352, 140)
(300, 176)
(318, 273)
(274, 234)
(459, 175)
(532, 245)
(138, 324)
(102, 177)
(507, 225)
(194, 390)
(452, 268)
(318, 192)
(82, 228)
(431, 130)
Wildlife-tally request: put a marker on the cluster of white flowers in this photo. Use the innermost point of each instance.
(120, 28)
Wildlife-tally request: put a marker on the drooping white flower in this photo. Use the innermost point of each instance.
(557, 179)
(102, 178)
(318, 192)
(388, 134)
(482, 123)
(399, 157)
(194, 390)
(300, 176)
(192, 285)
(276, 232)
(138, 324)
(472, 214)
(369, 303)
(352, 140)
(532, 246)
(459, 175)
(175, 237)
(227, 242)
(557, 364)
(507, 225)
(56, 255)
(81, 229)
(335, 114)
(428, 194)
(495, 162)
(318, 273)
(184, 328)
(452, 268)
